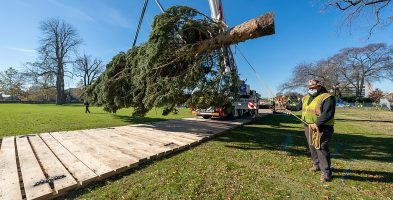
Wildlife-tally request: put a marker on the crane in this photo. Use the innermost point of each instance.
(248, 101)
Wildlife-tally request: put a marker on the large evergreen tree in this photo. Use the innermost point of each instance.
(181, 63)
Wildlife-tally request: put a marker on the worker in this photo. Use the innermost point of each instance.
(87, 105)
(318, 108)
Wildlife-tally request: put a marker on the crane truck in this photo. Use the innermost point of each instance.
(247, 102)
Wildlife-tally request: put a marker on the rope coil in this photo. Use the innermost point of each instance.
(314, 136)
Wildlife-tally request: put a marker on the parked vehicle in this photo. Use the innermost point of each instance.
(246, 105)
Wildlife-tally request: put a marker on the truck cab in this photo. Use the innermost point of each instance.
(246, 104)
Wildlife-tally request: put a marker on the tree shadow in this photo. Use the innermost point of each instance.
(138, 120)
(276, 134)
(195, 127)
(364, 120)
(365, 175)
(281, 133)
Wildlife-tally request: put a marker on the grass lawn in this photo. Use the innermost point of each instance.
(268, 159)
(17, 119)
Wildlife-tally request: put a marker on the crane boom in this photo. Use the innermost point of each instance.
(216, 10)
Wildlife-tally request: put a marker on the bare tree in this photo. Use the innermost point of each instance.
(58, 41)
(301, 73)
(323, 70)
(88, 69)
(356, 10)
(11, 82)
(41, 74)
(370, 63)
(352, 67)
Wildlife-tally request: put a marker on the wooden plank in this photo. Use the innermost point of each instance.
(213, 123)
(111, 157)
(141, 144)
(210, 123)
(52, 166)
(195, 128)
(203, 125)
(225, 125)
(150, 143)
(157, 149)
(175, 130)
(172, 128)
(177, 137)
(81, 152)
(9, 178)
(79, 170)
(114, 141)
(148, 134)
(31, 171)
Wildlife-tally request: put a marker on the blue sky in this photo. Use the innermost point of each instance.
(303, 32)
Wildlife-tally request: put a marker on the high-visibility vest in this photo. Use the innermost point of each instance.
(312, 111)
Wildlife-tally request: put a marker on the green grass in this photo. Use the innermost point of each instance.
(17, 119)
(267, 159)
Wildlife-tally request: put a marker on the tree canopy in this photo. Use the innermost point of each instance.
(351, 67)
(167, 71)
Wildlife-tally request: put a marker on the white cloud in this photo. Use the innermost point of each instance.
(114, 17)
(23, 50)
(72, 10)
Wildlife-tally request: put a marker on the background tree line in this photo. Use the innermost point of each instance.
(351, 67)
(58, 58)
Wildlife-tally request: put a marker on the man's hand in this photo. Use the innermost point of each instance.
(314, 127)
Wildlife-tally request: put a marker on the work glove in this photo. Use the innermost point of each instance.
(314, 127)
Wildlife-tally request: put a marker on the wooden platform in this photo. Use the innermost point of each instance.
(47, 165)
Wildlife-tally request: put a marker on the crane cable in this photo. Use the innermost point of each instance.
(313, 133)
(265, 84)
(140, 22)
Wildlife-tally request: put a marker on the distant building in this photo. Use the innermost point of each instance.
(351, 91)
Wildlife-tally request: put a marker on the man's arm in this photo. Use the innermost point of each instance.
(328, 110)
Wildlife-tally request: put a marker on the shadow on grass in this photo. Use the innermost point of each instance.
(195, 127)
(278, 135)
(138, 120)
(364, 120)
(366, 175)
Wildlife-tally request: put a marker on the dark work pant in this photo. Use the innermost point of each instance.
(321, 157)
(87, 109)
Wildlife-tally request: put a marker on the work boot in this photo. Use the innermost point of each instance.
(326, 177)
(314, 168)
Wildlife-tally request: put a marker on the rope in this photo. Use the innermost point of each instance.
(255, 71)
(140, 22)
(314, 137)
(266, 85)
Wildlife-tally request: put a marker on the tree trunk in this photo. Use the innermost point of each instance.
(60, 85)
(254, 28)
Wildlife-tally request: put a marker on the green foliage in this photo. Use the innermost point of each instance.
(166, 71)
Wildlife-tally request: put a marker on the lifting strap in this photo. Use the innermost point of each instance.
(140, 22)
